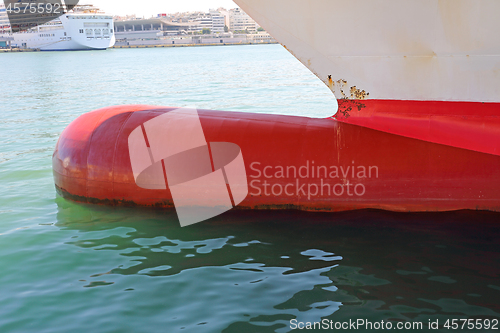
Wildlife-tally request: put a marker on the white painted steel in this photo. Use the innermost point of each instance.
(392, 49)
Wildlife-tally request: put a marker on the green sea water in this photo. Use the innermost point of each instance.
(68, 267)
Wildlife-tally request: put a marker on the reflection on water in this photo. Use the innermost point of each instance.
(250, 271)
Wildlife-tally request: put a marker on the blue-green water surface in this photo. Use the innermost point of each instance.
(68, 267)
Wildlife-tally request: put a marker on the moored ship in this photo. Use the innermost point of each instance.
(82, 28)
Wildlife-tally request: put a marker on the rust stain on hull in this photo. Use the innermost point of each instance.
(346, 102)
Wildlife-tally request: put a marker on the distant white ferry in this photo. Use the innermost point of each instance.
(82, 28)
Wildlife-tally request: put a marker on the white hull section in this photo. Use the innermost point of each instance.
(443, 50)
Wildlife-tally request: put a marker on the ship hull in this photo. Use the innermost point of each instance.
(290, 163)
(469, 125)
(417, 126)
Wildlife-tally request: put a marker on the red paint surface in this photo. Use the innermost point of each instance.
(469, 125)
(91, 162)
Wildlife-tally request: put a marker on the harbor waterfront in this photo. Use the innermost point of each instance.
(18, 50)
(154, 45)
(89, 268)
(150, 45)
